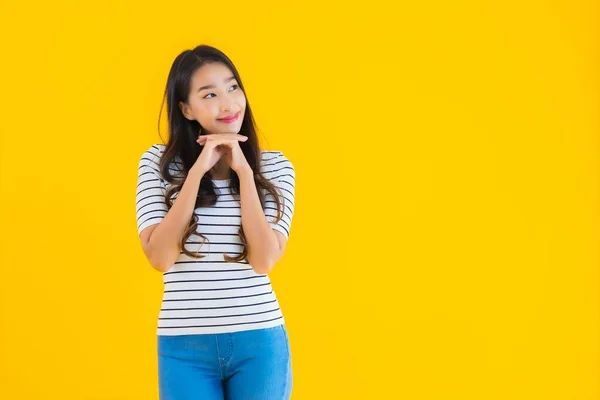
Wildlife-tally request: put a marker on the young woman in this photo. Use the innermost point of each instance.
(214, 212)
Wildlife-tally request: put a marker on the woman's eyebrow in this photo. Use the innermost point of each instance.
(212, 86)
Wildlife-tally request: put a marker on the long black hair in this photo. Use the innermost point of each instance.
(182, 150)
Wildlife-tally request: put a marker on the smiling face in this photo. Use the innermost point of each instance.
(214, 96)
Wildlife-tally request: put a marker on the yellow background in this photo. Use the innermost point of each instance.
(445, 243)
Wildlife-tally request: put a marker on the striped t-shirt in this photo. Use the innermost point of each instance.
(210, 294)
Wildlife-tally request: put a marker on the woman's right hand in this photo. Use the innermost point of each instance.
(212, 150)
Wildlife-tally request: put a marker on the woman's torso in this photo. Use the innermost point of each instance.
(211, 295)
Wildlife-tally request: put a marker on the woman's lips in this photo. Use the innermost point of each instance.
(231, 119)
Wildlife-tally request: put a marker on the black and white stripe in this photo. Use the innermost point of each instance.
(211, 295)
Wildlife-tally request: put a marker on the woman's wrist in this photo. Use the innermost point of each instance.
(196, 172)
(245, 172)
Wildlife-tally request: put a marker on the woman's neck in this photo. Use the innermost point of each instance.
(220, 170)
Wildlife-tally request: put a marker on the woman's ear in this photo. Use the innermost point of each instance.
(185, 110)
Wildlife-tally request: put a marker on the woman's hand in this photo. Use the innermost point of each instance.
(228, 146)
(217, 145)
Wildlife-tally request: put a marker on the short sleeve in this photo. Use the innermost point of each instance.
(151, 190)
(280, 172)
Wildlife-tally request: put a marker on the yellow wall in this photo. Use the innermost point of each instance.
(445, 239)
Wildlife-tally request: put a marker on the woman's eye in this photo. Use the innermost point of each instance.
(206, 97)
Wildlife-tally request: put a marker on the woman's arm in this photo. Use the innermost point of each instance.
(162, 242)
(265, 245)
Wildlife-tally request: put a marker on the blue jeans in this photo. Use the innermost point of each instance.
(245, 365)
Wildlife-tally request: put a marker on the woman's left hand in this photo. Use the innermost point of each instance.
(234, 156)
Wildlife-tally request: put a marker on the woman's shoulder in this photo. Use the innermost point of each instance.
(157, 149)
(153, 152)
(151, 157)
(273, 161)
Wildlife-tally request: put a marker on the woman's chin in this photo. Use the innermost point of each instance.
(232, 130)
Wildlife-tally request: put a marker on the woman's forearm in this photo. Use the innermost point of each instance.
(165, 240)
(262, 242)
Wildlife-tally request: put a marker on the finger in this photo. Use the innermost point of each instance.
(203, 140)
(218, 136)
(224, 144)
(224, 139)
(227, 144)
(221, 142)
(211, 144)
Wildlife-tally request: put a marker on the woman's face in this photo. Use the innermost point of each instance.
(215, 95)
